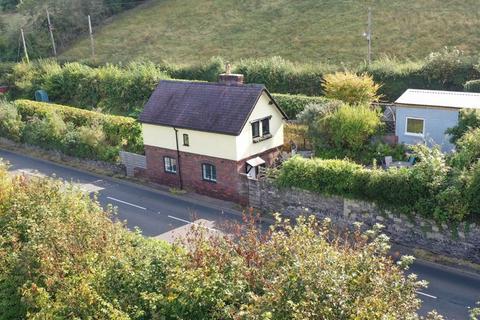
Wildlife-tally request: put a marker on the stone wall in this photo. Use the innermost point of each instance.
(461, 242)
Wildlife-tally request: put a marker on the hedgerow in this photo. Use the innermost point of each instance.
(431, 188)
(73, 131)
(294, 104)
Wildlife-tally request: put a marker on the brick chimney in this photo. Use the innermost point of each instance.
(229, 78)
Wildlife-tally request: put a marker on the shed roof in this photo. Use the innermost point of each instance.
(203, 106)
(437, 98)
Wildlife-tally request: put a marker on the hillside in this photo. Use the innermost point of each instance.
(308, 30)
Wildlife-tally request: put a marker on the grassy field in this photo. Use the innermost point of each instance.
(186, 31)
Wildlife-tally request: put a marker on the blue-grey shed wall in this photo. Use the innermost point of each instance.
(437, 121)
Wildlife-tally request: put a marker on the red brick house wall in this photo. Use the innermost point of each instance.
(230, 183)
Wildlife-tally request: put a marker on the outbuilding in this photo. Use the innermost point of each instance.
(423, 116)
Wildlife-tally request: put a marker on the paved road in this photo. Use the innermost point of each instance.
(450, 291)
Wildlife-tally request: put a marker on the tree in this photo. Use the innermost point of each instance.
(351, 88)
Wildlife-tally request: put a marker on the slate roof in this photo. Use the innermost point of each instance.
(437, 98)
(203, 106)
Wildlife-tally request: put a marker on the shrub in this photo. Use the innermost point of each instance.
(351, 88)
(115, 89)
(449, 68)
(61, 256)
(73, 131)
(46, 132)
(430, 189)
(468, 119)
(467, 149)
(351, 127)
(282, 76)
(295, 104)
(472, 86)
(206, 71)
(122, 131)
(11, 125)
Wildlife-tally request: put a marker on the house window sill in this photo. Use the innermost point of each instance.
(262, 138)
(418, 135)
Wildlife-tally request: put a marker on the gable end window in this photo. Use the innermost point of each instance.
(256, 129)
(186, 140)
(209, 172)
(265, 126)
(170, 164)
(415, 127)
(261, 129)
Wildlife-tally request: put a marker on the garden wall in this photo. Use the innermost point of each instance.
(462, 242)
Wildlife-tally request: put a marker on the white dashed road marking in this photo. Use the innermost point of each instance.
(426, 295)
(127, 203)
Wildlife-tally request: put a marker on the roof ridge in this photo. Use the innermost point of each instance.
(213, 83)
(462, 93)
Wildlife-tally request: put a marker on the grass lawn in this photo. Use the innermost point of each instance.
(186, 31)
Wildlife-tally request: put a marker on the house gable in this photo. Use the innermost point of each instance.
(264, 108)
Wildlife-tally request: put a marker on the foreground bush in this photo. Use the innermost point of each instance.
(73, 131)
(62, 257)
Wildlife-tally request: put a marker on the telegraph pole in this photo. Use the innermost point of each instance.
(368, 35)
(91, 37)
(24, 46)
(50, 29)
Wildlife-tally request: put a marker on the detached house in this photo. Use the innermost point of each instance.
(207, 137)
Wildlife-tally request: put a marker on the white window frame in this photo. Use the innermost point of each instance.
(204, 172)
(169, 167)
(412, 133)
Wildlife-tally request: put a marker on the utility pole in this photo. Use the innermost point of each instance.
(24, 46)
(91, 37)
(50, 29)
(368, 36)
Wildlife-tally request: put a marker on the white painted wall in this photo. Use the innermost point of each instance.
(205, 143)
(245, 146)
(221, 145)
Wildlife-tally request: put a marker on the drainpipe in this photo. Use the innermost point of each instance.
(178, 160)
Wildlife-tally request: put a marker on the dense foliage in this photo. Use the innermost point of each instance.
(351, 88)
(432, 188)
(472, 86)
(468, 119)
(110, 88)
(73, 131)
(338, 130)
(62, 257)
(124, 89)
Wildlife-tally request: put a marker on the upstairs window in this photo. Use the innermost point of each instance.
(186, 140)
(256, 129)
(209, 172)
(265, 126)
(261, 129)
(415, 127)
(170, 165)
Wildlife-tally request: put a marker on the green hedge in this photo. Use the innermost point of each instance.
(428, 189)
(115, 89)
(294, 104)
(472, 86)
(75, 131)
